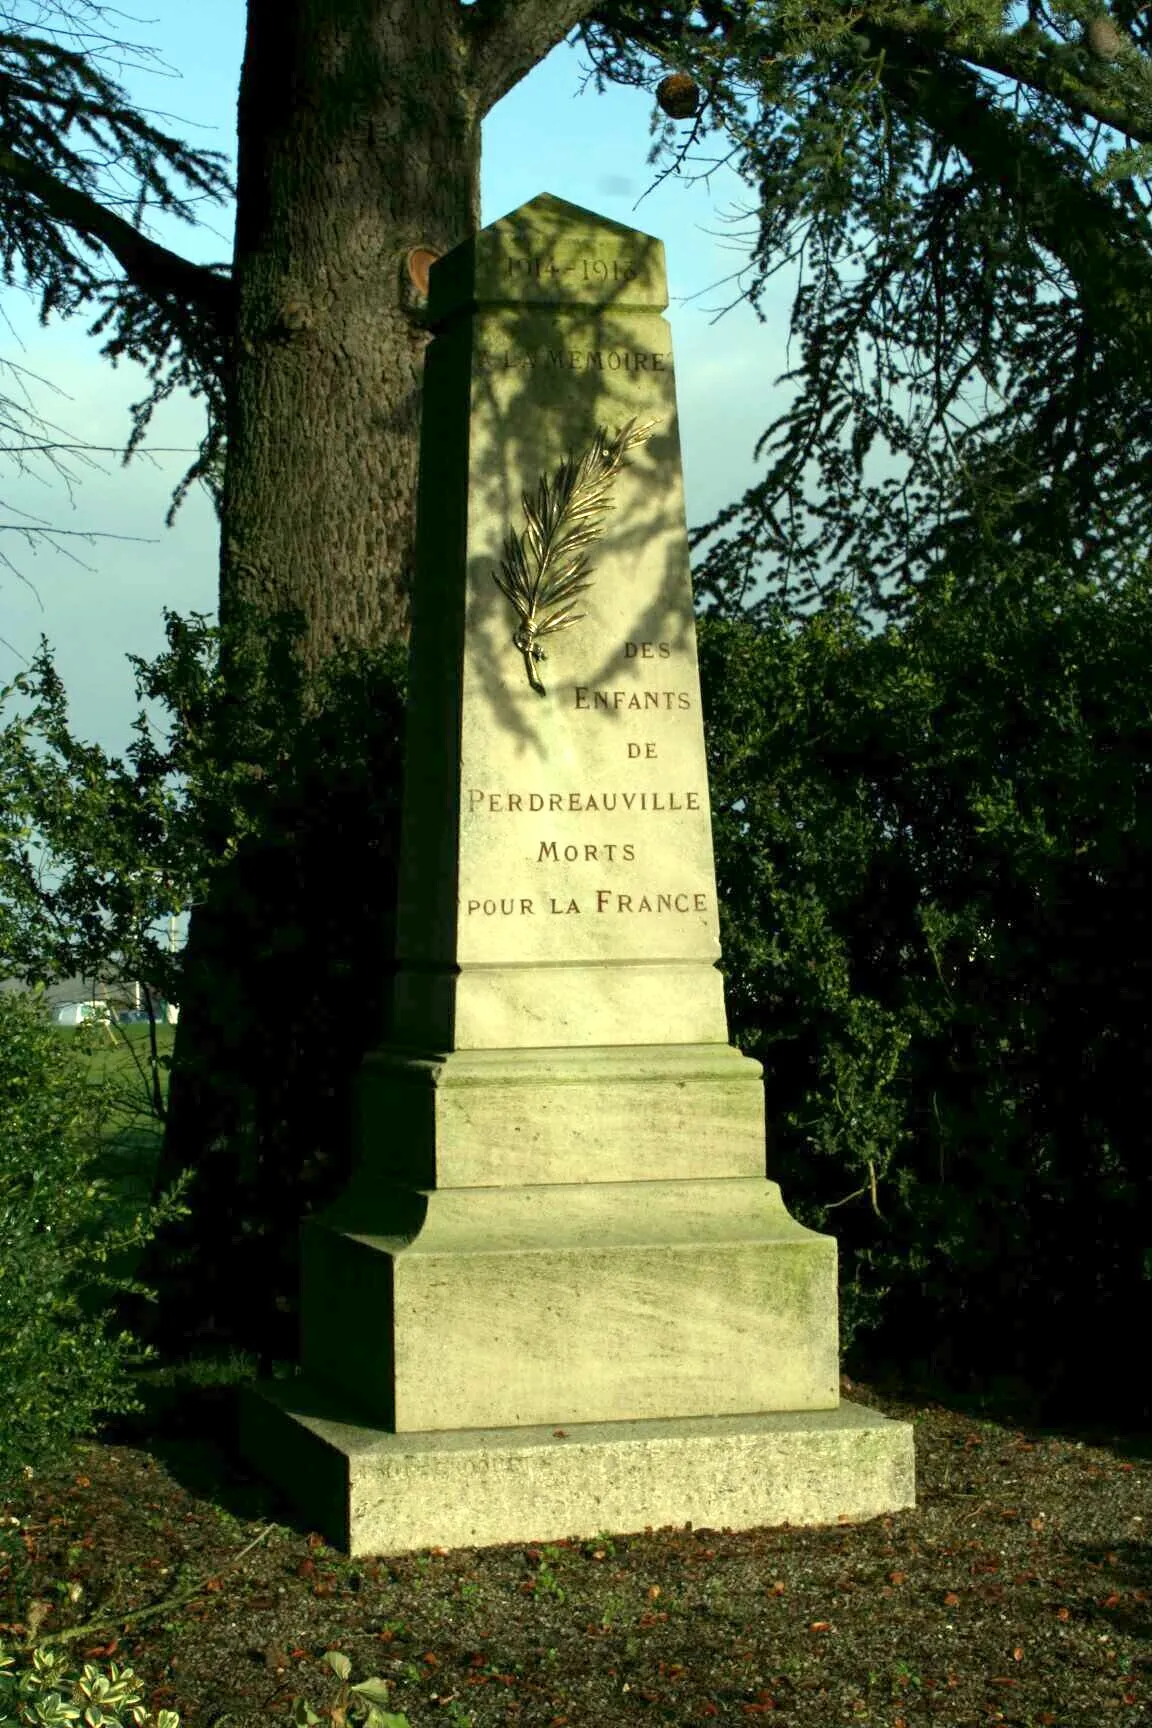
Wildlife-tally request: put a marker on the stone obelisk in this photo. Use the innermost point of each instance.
(560, 1296)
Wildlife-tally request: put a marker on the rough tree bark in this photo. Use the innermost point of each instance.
(359, 140)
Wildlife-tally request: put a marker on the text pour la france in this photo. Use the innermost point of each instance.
(607, 900)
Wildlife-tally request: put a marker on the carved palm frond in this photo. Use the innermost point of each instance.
(546, 567)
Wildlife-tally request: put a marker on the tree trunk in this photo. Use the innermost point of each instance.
(359, 141)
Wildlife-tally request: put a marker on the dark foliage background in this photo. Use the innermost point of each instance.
(933, 843)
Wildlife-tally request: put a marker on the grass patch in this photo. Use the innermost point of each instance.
(120, 1060)
(130, 1072)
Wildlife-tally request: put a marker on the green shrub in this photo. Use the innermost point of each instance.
(45, 1694)
(934, 847)
(59, 1367)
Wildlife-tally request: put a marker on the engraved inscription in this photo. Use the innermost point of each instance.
(637, 699)
(572, 359)
(560, 854)
(503, 908)
(551, 849)
(515, 803)
(635, 801)
(650, 902)
(607, 900)
(577, 270)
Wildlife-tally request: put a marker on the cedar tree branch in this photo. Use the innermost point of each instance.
(152, 268)
(507, 38)
(1074, 222)
(1041, 64)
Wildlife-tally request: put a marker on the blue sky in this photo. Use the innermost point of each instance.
(545, 136)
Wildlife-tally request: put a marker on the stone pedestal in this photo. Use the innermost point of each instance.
(560, 1296)
(599, 1302)
(372, 1492)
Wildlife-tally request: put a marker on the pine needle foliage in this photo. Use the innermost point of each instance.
(82, 172)
(61, 117)
(546, 567)
(965, 189)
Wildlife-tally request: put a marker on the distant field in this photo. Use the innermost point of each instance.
(115, 1052)
(131, 1131)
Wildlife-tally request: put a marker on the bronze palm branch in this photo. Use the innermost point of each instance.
(547, 566)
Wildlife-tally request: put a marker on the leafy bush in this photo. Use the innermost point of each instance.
(45, 1693)
(274, 814)
(363, 1702)
(933, 849)
(58, 1365)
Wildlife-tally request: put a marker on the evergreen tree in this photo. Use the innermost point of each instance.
(966, 186)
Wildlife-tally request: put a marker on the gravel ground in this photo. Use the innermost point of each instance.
(1019, 1592)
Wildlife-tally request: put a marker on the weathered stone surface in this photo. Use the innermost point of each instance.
(611, 1113)
(375, 1493)
(499, 1307)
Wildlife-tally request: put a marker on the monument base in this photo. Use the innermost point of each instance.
(372, 1492)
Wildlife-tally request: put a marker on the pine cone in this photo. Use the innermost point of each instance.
(1104, 39)
(678, 95)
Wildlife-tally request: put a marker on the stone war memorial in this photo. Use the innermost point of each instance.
(559, 1296)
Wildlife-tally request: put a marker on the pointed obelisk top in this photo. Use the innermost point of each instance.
(550, 252)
